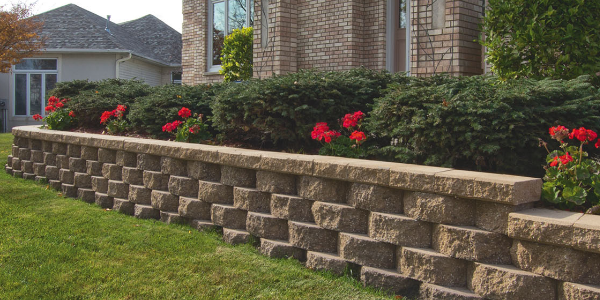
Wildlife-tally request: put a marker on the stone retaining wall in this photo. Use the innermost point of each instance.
(445, 233)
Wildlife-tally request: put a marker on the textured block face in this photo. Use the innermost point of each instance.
(29, 176)
(16, 163)
(387, 280)
(203, 171)
(89, 153)
(93, 168)
(118, 189)
(251, 200)
(164, 201)
(35, 144)
(560, 263)
(275, 182)
(493, 217)
(291, 208)
(112, 171)
(429, 266)
(573, 291)
(267, 226)
(148, 162)
(9, 161)
(375, 198)
(62, 161)
(107, 156)
(49, 159)
(280, 249)
(55, 184)
(146, 212)
(46, 146)
(543, 225)
(508, 282)
(73, 150)
(586, 233)
(77, 165)
(311, 237)
(87, 195)
(39, 169)
(322, 261)
(126, 159)
(69, 190)
(104, 200)
(24, 154)
(52, 173)
(172, 218)
(235, 237)
(320, 189)
(66, 176)
(214, 192)
(37, 156)
(228, 216)
(429, 291)
(123, 206)
(140, 195)
(173, 166)
(132, 176)
(399, 230)
(472, 244)
(27, 166)
(238, 177)
(15, 151)
(99, 184)
(194, 208)
(340, 217)
(183, 186)
(365, 251)
(439, 209)
(156, 180)
(83, 180)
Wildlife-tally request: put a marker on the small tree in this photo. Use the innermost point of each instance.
(19, 36)
(236, 59)
(549, 38)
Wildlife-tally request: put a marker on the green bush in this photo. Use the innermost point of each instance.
(550, 38)
(479, 122)
(97, 97)
(160, 106)
(281, 111)
(69, 89)
(236, 62)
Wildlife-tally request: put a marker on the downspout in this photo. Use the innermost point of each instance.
(119, 61)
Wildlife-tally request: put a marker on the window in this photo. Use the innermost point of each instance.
(33, 79)
(225, 16)
(176, 78)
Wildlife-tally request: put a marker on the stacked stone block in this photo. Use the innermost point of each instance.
(441, 233)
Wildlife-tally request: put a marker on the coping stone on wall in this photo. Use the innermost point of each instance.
(543, 225)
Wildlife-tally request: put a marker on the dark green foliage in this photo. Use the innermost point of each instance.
(479, 123)
(102, 96)
(549, 38)
(281, 111)
(161, 104)
(68, 89)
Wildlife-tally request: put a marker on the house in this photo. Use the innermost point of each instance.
(423, 37)
(83, 45)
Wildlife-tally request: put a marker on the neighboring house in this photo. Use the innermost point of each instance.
(83, 45)
(426, 37)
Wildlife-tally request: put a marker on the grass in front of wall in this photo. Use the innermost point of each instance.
(53, 247)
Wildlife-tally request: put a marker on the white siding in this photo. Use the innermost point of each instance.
(141, 70)
(93, 67)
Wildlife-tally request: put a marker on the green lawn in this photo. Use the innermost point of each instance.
(55, 247)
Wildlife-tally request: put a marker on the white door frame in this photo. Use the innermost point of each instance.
(389, 35)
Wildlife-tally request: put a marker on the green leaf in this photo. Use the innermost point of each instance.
(574, 194)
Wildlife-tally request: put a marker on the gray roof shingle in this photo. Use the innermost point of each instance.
(72, 27)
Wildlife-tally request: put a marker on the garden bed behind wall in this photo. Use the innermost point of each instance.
(445, 233)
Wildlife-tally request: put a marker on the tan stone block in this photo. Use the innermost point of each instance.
(82, 180)
(62, 161)
(331, 167)
(431, 267)
(239, 158)
(228, 216)
(375, 198)
(439, 209)
(106, 156)
(126, 159)
(49, 159)
(204, 171)
(68, 190)
(399, 230)
(55, 184)
(173, 166)
(93, 168)
(148, 162)
(275, 182)
(324, 261)
(183, 186)
(366, 251)
(493, 217)
(456, 183)
(24, 154)
(37, 156)
(508, 282)
(73, 150)
(543, 225)
(131, 175)
(140, 195)
(164, 201)
(267, 226)
(123, 206)
(574, 291)
(291, 208)
(99, 184)
(413, 177)
(428, 291)
(16, 163)
(509, 189)
(112, 171)
(287, 163)
(118, 189)
(57, 148)
(369, 172)
(170, 217)
(87, 195)
(39, 169)
(251, 200)
(321, 189)
(556, 262)
(280, 249)
(89, 153)
(156, 180)
(104, 200)
(586, 233)
(77, 165)
(146, 212)
(238, 177)
(215, 192)
(387, 280)
(235, 237)
(66, 176)
(194, 208)
(340, 217)
(203, 225)
(311, 237)
(52, 173)
(27, 166)
(470, 243)
(47, 146)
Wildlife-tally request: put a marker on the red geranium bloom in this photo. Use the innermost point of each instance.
(60, 104)
(53, 100)
(583, 135)
(105, 116)
(37, 117)
(72, 114)
(597, 143)
(318, 131)
(358, 136)
(185, 112)
(559, 132)
(351, 120)
(121, 107)
(50, 108)
(565, 159)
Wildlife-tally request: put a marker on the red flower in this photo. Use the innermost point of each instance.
(554, 162)
(351, 120)
(121, 107)
(185, 112)
(72, 114)
(50, 108)
(565, 159)
(597, 143)
(358, 115)
(105, 116)
(583, 135)
(358, 136)
(53, 100)
(169, 127)
(318, 131)
(559, 132)
(37, 117)
(60, 104)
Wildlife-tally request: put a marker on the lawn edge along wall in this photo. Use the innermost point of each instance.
(448, 234)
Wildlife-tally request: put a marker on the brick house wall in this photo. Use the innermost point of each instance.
(341, 35)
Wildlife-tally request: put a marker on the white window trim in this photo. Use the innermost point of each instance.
(209, 50)
(28, 73)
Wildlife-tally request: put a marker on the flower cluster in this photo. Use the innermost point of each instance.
(37, 117)
(117, 113)
(337, 144)
(169, 127)
(190, 129)
(565, 159)
(54, 103)
(116, 125)
(185, 113)
(58, 117)
(584, 135)
(321, 132)
(351, 120)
